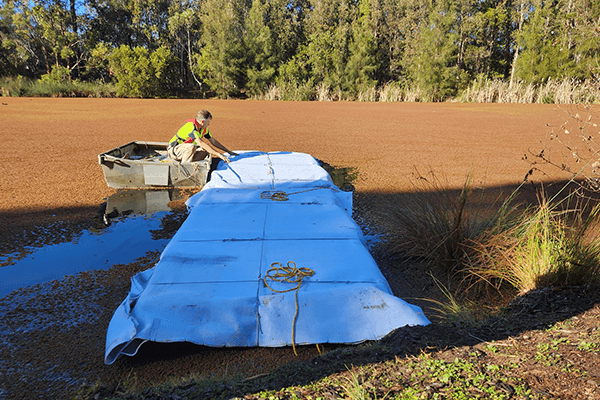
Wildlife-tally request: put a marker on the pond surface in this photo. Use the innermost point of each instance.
(123, 234)
(129, 220)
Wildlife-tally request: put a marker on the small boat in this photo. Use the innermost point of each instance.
(146, 165)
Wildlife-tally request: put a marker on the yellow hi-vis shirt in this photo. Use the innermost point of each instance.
(188, 132)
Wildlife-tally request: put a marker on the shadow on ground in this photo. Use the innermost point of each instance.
(74, 352)
(537, 310)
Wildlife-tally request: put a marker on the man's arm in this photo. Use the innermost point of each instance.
(208, 147)
(218, 145)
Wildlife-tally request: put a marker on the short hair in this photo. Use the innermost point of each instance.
(203, 115)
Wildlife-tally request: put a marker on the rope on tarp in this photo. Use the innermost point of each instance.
(280, 195)
(288, 274)
(275, 196)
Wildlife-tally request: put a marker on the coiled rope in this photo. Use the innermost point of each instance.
(289, 274)
(280, 195)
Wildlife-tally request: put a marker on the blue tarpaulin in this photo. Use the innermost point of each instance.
(260, 211)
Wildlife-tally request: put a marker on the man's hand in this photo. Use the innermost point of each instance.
(224, 158)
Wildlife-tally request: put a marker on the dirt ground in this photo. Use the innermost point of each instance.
(51, 187)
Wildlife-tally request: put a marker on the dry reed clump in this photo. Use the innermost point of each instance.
(482, 90)
(272, 93)
(391, 92)
(368, 93)
(436, 223)
(566, 91)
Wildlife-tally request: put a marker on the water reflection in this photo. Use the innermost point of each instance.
(139, 202)
(130, 220)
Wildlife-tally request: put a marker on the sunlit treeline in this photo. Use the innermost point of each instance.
(373, 50)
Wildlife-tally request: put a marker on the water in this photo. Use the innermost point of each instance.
(129, 218)
(124, 235)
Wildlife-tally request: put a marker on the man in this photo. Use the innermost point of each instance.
(182, 147)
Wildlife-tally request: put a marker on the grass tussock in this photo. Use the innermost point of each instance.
(501, 245)
(436, 224)
(550, 244)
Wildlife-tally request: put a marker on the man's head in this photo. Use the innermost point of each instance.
(203, 115)
(203, 119)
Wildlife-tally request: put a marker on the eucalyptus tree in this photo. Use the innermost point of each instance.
(129, 22)
(12, 54)
(40, 37)
(393, 24)
(582, 37)
(294, 77)
(53, 24)
(185, 30)
(519, 13)
(496, 26)
(484, 34)
(273, 30)
(111, 23)
(560, 39)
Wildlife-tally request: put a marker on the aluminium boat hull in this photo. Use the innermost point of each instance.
(146, 165)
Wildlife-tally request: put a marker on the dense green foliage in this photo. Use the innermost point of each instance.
(300, 49)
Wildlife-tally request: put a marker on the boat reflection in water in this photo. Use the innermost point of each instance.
(129, 224)
(127, 202)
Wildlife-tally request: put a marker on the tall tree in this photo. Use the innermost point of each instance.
(484, 43)
(184, 29)
(129, 22)
(362, 62)
(274, 30)
(223, 58)
(263, 57)
(53, 23)
(519, 12)
(582, 24)
(111, 22)
(432, 57)
(9, 59)
(39, 38)
(150, 19)
(392, 22)
(329, 34)
(544, 51)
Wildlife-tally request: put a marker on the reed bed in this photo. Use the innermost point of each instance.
(482, 90)
(566, 91)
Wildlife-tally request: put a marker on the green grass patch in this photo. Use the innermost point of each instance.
(23, 87)
(551, 244)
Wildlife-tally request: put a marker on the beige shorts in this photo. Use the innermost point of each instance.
(183, 152)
